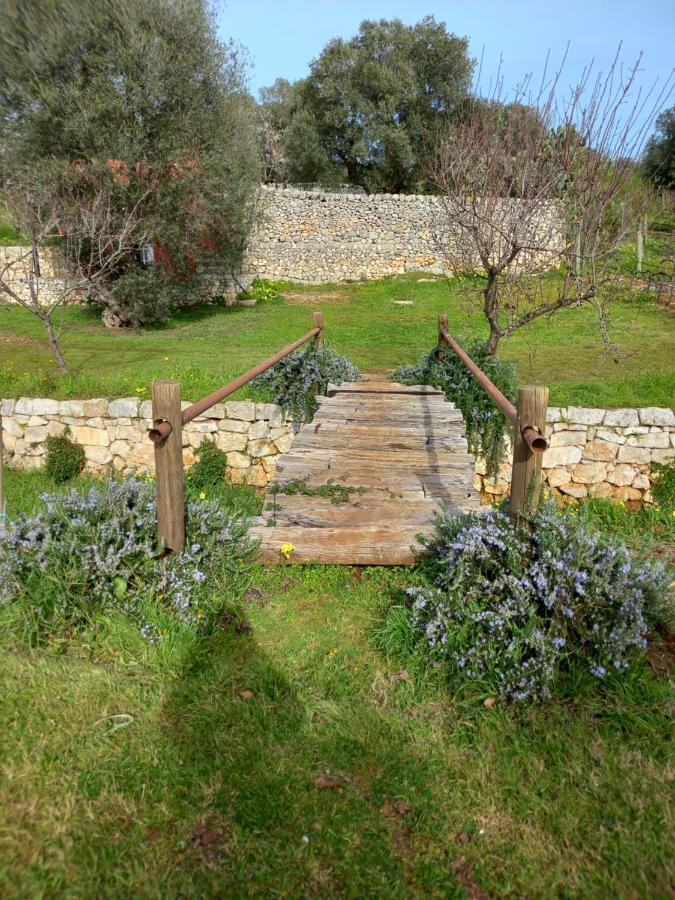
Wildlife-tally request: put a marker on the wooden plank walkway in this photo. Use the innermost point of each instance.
(403, 451)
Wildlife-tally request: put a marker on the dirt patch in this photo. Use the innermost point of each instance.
(306, 298)
(661, 653)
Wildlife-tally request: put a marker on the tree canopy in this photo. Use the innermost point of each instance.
(659, 159)
(370, 106)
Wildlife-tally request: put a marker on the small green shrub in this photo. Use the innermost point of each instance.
(65, 459)
(663, 488)
(210, 468)
(486, 426)
(297, 380)
(146, 296)
(509, 606)
(262, 290)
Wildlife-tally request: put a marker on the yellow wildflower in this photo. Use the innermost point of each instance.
(286, 550)
(202, 496)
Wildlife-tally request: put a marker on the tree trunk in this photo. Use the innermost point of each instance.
(53, 342)
(491, 310)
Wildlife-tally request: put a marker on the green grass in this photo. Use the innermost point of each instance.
(206, 346)
(569, 799)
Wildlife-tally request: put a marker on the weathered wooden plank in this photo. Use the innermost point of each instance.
(382, 387)
(346, 546)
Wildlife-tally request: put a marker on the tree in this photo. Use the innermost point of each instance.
(144, 88)
(369, 105)
(541, 202)
(658, 163)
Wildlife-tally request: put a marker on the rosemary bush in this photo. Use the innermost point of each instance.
(511, 605)
(296, 381)
(486, 426)
(80, 556)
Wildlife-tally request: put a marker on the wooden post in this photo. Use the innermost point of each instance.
(640, 247)
(3, 521)
(319, 340)
(442, 324)
(169, 465)
(526, 473)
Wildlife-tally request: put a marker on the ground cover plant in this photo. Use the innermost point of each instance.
(206, 346)
(487, 428)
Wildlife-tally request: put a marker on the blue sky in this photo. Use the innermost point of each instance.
(282, 36)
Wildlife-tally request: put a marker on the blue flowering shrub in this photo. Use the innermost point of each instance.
(296, 381)
(81, 555)
(486, 426)
(511, 605)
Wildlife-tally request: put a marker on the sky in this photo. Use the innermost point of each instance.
(283, 36)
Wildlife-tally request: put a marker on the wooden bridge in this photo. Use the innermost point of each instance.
(367, 475)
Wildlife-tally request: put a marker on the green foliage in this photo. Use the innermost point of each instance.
(300, 378)
(65, 459)
(658, 163)
(142, 98)
(210, 468)
(663, 488)
(337, 493)
(486, 426)
(263, 291)
(143, 296)
(369, 104)
(510, 606)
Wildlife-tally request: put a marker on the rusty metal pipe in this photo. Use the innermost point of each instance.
(161, 430)
(535, 441)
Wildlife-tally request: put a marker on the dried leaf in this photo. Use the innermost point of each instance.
(391, 809)
(327, 782)
(246, 695)
(490, 702)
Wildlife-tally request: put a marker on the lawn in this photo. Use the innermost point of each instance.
(296, 753)
(206, 346)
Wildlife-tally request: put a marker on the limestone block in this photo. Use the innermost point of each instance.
(589, 473)
(217, 411)
(261, 448)
(119, 463)
(256, 476)
(495, 486)
(230, 440)
(554, 414)
(641, 482)
(203, 426)
(662, 456)
(556, 477)
(600, 451)
(654, 439)
(622, 417)
(55, 428)
(639, 455)
(7, 407)
(241, 409)
(620, 475)
(92, 437)
(284, 443)
(578, 491)
(269, 411)
(128, 433)
(259, 430)
(635, 429)
(613, 437)
(480, 468)
(580, 415)
(75, 408)
(145, 409)
(561, 456)
(478, 483)
(119, 448)
(568, 439)
(236, 475)
(188, 456)
(36, 420)
(236, 425)
(11, 426)
(8, 442)
(23, 407)
(238, 460)
(269, 464)
(126, 406)
(601, 490)
(35, 434)
(99, 455)
(656, 415)
(43, 407)
(627, 493)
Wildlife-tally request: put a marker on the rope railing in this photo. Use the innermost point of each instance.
(168, 420)
(528, 419)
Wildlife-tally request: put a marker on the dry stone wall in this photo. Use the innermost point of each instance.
(315, 237)
(597, 453)
(17, 265)
(114, 434)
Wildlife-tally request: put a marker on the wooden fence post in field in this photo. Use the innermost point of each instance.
(319, 341)
(169, 465)
(526, 473)
(442, 326)
(640, 247)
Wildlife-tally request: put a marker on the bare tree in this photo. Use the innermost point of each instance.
(545, 182)
(78, 221)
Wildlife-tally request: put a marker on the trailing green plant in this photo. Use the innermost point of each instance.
(82, 556)
(210, 468)
(487, 429)
(301, 377)
(262, 290)
(663, 487)
(338, 494)
(65, 459)
(511, 605)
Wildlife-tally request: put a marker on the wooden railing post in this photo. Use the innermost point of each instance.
(442, 326)
(319, 341)
(526, 473)
(169, 465)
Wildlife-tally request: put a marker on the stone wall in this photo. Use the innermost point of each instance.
(17, 263)
(597, 453)
(315, 237)
(114, 434)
